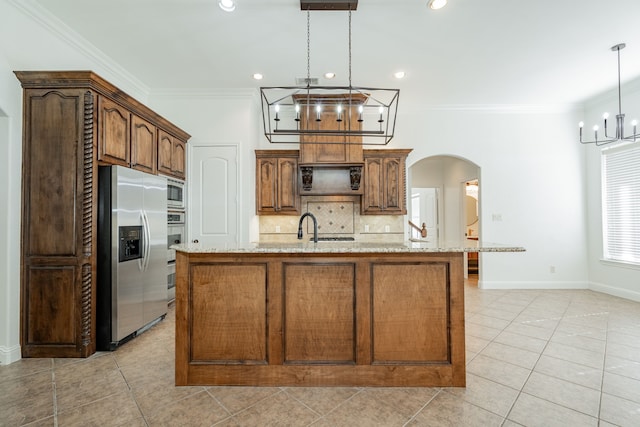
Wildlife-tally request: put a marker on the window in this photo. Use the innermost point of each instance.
(621, 203)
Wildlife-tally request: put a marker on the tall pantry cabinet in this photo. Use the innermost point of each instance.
(73, 121)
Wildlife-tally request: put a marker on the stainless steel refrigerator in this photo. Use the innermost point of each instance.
(132, 254)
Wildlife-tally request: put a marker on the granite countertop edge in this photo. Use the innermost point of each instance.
(346, 247)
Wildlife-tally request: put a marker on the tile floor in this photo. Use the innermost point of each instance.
(534, 358)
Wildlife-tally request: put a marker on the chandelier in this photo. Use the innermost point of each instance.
(619, 135)
(313, 114)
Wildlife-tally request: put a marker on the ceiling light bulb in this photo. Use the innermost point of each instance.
(257, 76)
(399, 74)
(227, 5)
(634, 123)
(277, 108)
(329, 75)
(596, 127)
(581, 125)
(437, 4)
(339, 108)
(605, 116)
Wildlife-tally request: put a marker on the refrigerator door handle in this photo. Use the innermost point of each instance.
(147, 241)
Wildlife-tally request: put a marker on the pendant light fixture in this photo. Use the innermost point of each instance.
(619, 135)
(314, 114)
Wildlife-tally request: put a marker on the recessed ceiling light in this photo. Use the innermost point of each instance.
(257, 76)
(329, 75)
(437, 4)
(399, 74)
(227, 5)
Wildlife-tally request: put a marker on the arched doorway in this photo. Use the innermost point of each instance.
(445, 195)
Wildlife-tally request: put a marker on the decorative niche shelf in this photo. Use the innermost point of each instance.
(331, 179)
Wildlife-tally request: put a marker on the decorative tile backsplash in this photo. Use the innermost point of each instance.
(332, 217)
(337, 216)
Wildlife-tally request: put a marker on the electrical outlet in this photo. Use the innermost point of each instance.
(277, 228)
(552, 269)
(387, 229)
(366, 228)
(497, 217)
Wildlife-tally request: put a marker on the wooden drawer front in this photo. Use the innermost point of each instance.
(229, 313)
(319, 313)
(410, 317)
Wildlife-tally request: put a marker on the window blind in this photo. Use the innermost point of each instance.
(621, 203)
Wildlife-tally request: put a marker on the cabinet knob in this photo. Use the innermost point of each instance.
(195, 241)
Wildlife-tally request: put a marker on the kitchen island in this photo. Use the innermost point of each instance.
(322, 314)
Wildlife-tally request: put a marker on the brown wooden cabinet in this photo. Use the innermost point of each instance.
(72, 121)
(385, 182)
(124, 138)
(277, 182)
(114, 145)
(171, 155)
(144, 147)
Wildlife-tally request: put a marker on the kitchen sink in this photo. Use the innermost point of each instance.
(335, 239)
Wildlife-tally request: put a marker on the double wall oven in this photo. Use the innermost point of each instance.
(175, 229)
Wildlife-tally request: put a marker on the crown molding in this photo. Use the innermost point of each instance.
(504, 108)
(62, 31)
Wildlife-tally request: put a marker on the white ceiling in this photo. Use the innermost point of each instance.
(515, 52)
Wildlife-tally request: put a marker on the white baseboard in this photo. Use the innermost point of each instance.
(488, 284)
(616, 292)
(9, 354)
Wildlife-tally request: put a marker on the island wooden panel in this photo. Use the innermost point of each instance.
(320, 319)
(319, 315)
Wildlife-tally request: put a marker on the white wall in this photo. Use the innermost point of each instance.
(615, 279)
(10, 175)
(531, 176)
(221, 119)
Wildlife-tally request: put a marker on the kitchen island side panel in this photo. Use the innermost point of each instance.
(320, 319)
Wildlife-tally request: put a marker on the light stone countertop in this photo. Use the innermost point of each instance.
(349, 247)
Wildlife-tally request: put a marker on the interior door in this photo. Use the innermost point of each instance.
(213, 194)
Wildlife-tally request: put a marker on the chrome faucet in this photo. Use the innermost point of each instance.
(315, 226)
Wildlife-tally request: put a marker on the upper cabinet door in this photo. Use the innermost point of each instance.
(114, 142)
(143, 145)
(171, 155)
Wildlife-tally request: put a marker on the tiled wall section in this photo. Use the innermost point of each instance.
(337, 217)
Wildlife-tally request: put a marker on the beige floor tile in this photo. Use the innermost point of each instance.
(579, 342)
(569, 371)
(571, 329)
(81, 388)
(516, 356)
(618, 337)
(491, 322)
(475, 344)
(619, 411)
(448, 410)
(26, 398)
(504, 373)
(576, 355)
(624, 387)
(564, 393)
(155, 395)
(322, 399)
(486, 394)
(199, 409)
(407, 401)
(623, 351)
(479, 331)
(624, 367)
(534, 412)
(24, 367)
(530, 331)
(277, 410)
(521, 341)
(236, 399)
(503, 312)
(115, 410)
